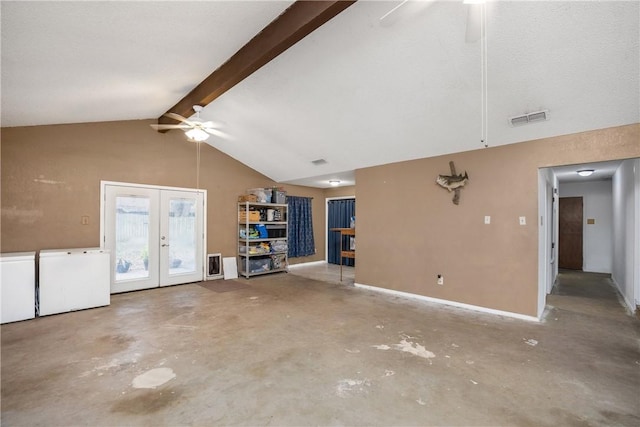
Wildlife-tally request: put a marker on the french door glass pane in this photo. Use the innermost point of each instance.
(182, 235)
(132, 237)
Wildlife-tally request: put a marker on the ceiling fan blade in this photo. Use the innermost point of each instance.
(179, 118)
(167, 127)
(474, 23)
(211, 124)
(219, 133)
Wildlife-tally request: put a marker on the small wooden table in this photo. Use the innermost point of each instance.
(345, 253)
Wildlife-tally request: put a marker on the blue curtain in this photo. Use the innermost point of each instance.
(339, 216)
(300, 222)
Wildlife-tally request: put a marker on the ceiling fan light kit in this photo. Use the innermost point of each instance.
(195, 129)
(197, 135)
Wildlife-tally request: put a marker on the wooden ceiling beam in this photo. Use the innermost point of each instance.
(295, 23)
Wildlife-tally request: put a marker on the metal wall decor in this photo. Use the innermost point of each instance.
(453, 182)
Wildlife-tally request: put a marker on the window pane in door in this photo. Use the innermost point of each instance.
(132, 238)
(182, 236)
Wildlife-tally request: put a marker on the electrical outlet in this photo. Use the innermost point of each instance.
(440, 279)
(487, 219)
(523, 220)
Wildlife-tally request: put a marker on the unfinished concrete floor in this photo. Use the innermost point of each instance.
(287, 350)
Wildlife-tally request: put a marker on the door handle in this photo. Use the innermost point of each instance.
(164, 245)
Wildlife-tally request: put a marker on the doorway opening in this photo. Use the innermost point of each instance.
(341, 213)
(595, 221)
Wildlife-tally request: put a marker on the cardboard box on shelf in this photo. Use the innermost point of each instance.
(263, 195)
(253, 215)
(248, 198)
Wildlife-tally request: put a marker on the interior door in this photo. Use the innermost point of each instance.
(570, 233)
(155, 236)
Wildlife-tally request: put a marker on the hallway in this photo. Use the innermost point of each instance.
(284, 350)
(588, 294)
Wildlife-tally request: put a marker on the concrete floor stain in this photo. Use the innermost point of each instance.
(153, 378)
(148, 402)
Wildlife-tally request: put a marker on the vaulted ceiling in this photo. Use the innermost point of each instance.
(356, 92)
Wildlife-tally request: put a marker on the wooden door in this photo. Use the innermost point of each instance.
(570, 230)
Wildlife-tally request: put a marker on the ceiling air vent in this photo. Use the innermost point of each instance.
(537, 116)
(319, 162)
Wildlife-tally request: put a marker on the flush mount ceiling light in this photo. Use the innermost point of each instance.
(334, 182)
(585, 172)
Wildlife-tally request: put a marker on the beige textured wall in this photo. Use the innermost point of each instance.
(51, 178)
(349, 190)
(409, 231)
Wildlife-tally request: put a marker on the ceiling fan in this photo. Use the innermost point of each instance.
(195, 129)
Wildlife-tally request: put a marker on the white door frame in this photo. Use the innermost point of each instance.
(103, 194)
(547, 235)
(636, 256)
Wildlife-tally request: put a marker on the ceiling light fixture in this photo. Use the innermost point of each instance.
(334, 182)
(585, 172)
(197, 135)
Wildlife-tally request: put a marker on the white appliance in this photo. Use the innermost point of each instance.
(73, 279)
(18, 286)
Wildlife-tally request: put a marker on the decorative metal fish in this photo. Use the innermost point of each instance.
(451, 182)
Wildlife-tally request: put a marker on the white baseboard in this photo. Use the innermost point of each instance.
(423, 298)
(306, 264)
(623, 298)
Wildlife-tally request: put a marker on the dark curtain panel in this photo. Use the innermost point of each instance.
(340, 213)
(300, 237)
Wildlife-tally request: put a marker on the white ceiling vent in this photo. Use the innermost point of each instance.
(319, 162)
(538, 116)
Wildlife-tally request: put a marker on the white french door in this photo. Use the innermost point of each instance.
(155, 235)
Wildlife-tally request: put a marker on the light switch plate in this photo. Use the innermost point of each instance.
(523, 220)
(487, 219)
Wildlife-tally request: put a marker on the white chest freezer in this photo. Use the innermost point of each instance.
(18, 286)
(73, 279)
